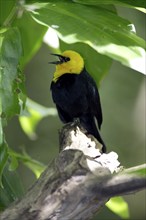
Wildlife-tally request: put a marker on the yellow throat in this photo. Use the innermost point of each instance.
(75, 65)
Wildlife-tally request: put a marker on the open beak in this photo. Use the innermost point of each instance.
(61, 60)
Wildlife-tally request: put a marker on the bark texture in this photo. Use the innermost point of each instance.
(77, 183)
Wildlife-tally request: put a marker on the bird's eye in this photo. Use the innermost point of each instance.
(66, 59)
(63, 59)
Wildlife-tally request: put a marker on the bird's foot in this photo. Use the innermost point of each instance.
(76, 121)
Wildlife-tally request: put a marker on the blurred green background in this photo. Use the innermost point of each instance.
(122, 94)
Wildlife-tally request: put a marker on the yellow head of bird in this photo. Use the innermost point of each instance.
(69, 62)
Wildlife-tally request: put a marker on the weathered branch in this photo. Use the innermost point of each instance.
(76, 184)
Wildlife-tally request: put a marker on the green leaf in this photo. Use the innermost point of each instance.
(35, 166)
(7, 8)
(119, 206)
(29, 123)
(12, 188)
(98, 27)
(1, 128)
(31, 33)
(5, 199)
(3, 149)
(30, 119)
(135, 3)
(3, 157)
(13, 163)
(96, 64)
(10, 82)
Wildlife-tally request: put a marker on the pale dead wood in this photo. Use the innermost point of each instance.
(76, 184)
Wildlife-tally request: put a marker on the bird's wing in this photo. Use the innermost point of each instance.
(64, 117)
(94, 100)
(96, 106)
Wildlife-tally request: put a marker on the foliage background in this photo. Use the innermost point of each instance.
(122, 93)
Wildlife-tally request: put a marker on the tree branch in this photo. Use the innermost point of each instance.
(77, 183)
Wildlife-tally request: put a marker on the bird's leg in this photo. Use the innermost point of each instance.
(76, 121)
(77, 124)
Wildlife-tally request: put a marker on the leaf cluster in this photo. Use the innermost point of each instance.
(91, 27)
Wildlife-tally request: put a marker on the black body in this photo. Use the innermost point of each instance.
(76, 96)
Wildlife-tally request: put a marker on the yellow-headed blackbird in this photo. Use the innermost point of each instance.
(75, 93)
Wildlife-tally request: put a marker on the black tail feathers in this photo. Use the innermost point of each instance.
(88, 123)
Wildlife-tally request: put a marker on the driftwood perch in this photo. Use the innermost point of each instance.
(77, 183)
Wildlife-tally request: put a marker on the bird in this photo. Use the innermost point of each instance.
(75, 93)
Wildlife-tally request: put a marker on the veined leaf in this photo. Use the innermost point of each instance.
(31, 38)
(98, 27)
(135, 3)
(12, 96)
(6, 11)
(10, 81)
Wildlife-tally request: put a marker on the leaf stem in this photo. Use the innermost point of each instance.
(11, 16)
(14, 12)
